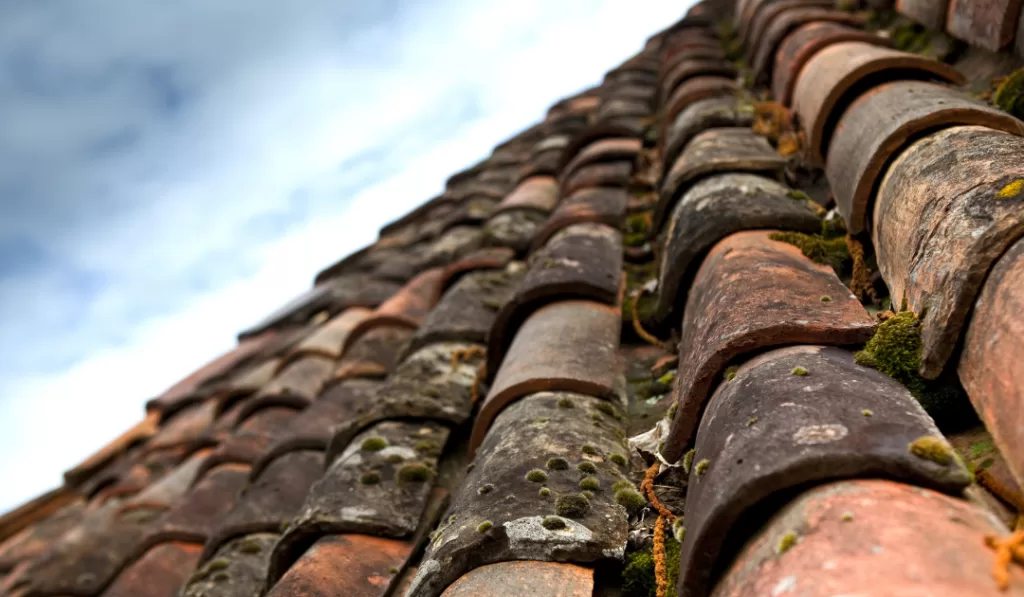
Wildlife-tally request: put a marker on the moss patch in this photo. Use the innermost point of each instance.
(414, 472)
(565, 403)
(557, 464)
(590, 484)
(485, 489)
(630, 499)
(544, 492)
(801, 371)
(587, 468)
(1009, 96)
(826, 251)
(536, 476)
(932, 448)
(702, 466)
(552, 523)
(370, 478)
(484, 526)
(373, 444)
(638, 578)
(428, 447)
(730, 372)
(895, 349)
(688, 460)
(618, 459)
(572, 506)
(786, 542)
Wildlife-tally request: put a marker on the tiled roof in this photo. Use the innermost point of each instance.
(744, 319)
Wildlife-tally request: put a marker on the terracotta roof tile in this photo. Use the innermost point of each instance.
(605, 206)
(375, 354)
(764, 54)
(694, 89)
(537, 192)
(355, 565)
(541, 579)
(770, 12)
(930, 13)
(699, 116)
(160, 572)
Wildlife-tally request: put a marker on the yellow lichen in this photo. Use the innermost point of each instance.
(932, 448)
(786, 542)
(1011, 190)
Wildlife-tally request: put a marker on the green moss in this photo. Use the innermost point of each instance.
(635, 230)
(932, 448)
(373, 444)
(895, 349)
(589, 450)
(250, 546)
(678, 530)
(218, 564)
(557, 464)
(485, 489)
(979, 449)
(544, 492)
(786, 542)
(451, 519)
(618, 459)
(370, 478)
(832, 252)
(484, 526)
(671, 412)
(730, 372)
(395, 458)
(220, 577)
(847, 517)
(428, 447)
(867, 413)
(801, 371)
(688, 460)
(826, 299)
(638, 577)
(392, 570)
(630, 499)
(799, 195)
(668, 378)
(609, 410)
(911, 37)
(572, 506)
(552, 523)
(565, 403)
(587, 468)
(536, 476)
(751, 421)
(414, 472)
(702, 466)
(620, 485)
(590, 484)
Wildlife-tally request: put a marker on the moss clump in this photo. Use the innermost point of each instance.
(484, 526)
(373, 444)
(786, 542)
(536, 476)
(618, 459)
(630, 499)
(590, 484)
(552, 523)
(688, 460)
(250, 546)
(220, 577)
(414, 472)
(801, 371)
(395, 458)
(826, 299)
(485, 489)
(847, 517)
(451, 519)
(572, 506)
(668, 378)
(565, 403)
(932, 448)
(895, 349)
(730, 372)
(392, 570)
(544, 492)
(587, 468)
(678, 530)
(1009, 95)
(702, 466)
(587, 494)
(589, 450)
(620, 485)
(218, 564)
(751, 421)
(867, 413)
(557, 464)
(638, 577)
(428, 447)
(831, 251)
(609, 410)
(370, 478)
(911, 37)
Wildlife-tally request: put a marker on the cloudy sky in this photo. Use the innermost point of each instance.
(172, 171)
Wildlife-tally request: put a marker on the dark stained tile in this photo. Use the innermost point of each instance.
(859, 537)
(379, 485)
(295, 385)
(512, 229)
(252, 437)
(580, 261)
(990, 366)
(160, 572)
(434, 383)
(946, 210)
(715, 150)
(778, 302)
(604, 174)
(692, 90)
(375, 354)
(768, 431)
(834, 77)
(467, 310)
(450, 246)
(565, 346)
(329, 339)
(687, 69)
(594, 206)
(538, 193)
(930, 13)
(350, 565)
(699, 116)
(471, 212)
(711, 210)
(604, 150)
(407, 308)
(541, 579)
(244, 384)
(769, 12)
(483, 259)
(34, 540)
(525, 437)
(802, 44)
(881, 122)
(587, 137)
(786, 22)
(238, 569)
(186, 428)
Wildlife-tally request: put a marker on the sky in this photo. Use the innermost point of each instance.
(171, 172)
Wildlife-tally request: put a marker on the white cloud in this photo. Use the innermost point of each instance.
(248, 172)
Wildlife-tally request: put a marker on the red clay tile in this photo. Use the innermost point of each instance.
(482, 259)
(607, 174)
(272, 498)
(692, 90)
(768, 431)
(835, 77)
(802, 44)
(186, 428)
(713, 151)
(434, 383)
(239, 569)
(32, 541)
(990, 24)
(329, 339)
(768, 13)
(711, 210)
(590, 206)
(161, 572)
(565, 346)
(765, 54)
(375, 354)
(688, 69)
(580, 261)
(930, 13)
(525, 436)
(878, 125)
(350, 565)
(942, 218)
(744, 16)
(255, 434)
(374, 491)
(701, 115)
(468, 310)
(538, 193)
(167, 490)
(870, 537)
(604, 150)
(243, 384)
(295, 386)
(587, 137)
(778, 302)
(408, 308)
(541, 579)
(990, 366)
